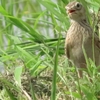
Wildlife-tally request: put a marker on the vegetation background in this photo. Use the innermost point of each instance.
(32, 61)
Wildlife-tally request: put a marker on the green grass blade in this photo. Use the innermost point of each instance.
(52, 7)
(53, 93)
(17, 74)
(12, 97)
(22, 25)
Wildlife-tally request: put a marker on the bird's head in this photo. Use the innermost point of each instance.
(76, 11)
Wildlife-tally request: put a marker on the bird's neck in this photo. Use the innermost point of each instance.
(82, 24)
(79, 21)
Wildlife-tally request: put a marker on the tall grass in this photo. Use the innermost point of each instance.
(32, 34)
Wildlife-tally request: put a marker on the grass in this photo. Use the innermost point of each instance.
(32, 34)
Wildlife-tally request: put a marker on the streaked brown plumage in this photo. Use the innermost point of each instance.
(79, 35)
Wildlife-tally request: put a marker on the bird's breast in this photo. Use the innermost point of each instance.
(75, 38)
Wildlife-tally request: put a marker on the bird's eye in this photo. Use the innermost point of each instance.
(78, 5)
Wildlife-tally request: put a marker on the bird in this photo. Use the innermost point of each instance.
(80, 38)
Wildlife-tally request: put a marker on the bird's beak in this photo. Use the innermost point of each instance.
(69, 10)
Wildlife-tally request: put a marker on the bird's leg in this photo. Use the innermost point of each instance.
(80, 73)
(80, 70)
